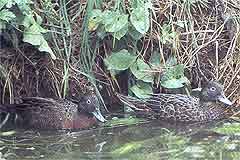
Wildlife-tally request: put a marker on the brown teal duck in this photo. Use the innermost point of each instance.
(47, 113)
(210, 105)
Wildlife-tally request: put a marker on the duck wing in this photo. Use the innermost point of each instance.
(173, 101)
(160, 101)
(30, 103)
(167, 106)
(37, 101)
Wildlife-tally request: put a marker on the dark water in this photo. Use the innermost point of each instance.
(147, 141)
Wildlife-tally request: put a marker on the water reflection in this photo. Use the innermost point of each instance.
(150, 140)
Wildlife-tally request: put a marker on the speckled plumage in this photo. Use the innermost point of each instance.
(47, 113)
(178, 107)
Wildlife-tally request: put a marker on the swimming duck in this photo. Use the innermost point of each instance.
(47, 113)
(210, 105)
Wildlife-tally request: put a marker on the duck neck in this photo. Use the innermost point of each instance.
(205, 103)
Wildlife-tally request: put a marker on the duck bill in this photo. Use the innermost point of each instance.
(98, 115)
(225, 100)
(197, 89)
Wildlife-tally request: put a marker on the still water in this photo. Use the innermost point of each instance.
(147, 140)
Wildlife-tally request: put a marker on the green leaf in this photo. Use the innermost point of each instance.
(142, 90)
(23, 5)
(119, 60)
(167, 35)
(180, 23)
(6, 15)
(174, 83)
(39, 19)
(10, 3)
(119, 34)
(134, 33)
(44, 47)
(114, 21)
(7, 3)
(3, 3)
(33, 35)
(173, 72)
(142, 71)
(171, 61)
(96, 17)
(155, 59)
(28, 20)
(174, 77)
(140, 19)
(148, 5)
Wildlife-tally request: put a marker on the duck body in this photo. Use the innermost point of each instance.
(47, 113)
(211, 105)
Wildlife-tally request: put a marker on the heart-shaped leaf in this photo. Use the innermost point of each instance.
(114, 21)
(140, 19)
(174, 77)
(96, 17)
(119, 60)
(142, 90)
(122, 32)
(175, 83)
(141, 71)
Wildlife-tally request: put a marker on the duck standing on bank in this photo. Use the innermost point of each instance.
(47, 113)
(211, 105)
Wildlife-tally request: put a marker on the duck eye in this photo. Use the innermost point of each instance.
(88, 101)
(212, 89)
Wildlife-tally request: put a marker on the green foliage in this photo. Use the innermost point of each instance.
(166, 35)
(136, 23)
(123, 60)
(142, 90)
(142, 71)
(33, 32)
(6, 15)
(7, 3)
(140, 19)
(117, 22)
(114, 21)
(155, 60)
(134, 33)
(119, 60)
(174, 77)
(122, 32)
(95, 19)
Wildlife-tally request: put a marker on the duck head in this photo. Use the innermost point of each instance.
(213, 92)
(90, 105)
